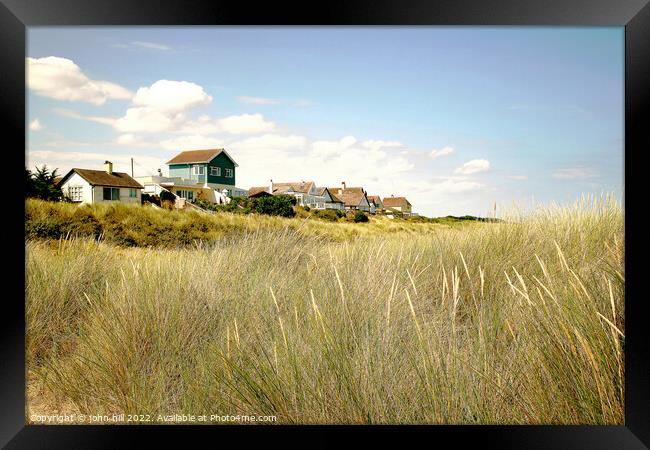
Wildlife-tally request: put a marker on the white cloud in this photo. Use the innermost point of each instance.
(162, 106)
(574, 173)
(245, 124)
(240, 124)
(35, 125)
(455, 186)
(325, 149)
(151, 45)
(171, 96)
(518, 177)
(133, 140)
(76, 115)
(145, 119)
(191, 142)
(436, 153)
(64, 161)
(127, 139)
(377, 144)
(165, 105)
(473, 166)
(62, 79)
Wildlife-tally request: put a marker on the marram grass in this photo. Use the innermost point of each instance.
(520, 322)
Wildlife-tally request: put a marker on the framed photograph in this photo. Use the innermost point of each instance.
(374, 218)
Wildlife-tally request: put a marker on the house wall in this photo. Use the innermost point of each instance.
(404, 209)
(98, 195)
(95, 194)
(186, 171)
(76, 180)
(222, 161)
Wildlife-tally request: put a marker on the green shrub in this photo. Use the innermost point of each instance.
(278, 205)
(360, 216)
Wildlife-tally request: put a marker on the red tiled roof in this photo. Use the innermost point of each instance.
(198, 156)
(351, 196)
(302, 186)
(103, 178)
(321, 191)
(396, 201)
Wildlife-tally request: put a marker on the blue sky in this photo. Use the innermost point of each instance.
(454, 118)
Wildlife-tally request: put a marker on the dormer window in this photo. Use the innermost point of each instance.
(198, 170)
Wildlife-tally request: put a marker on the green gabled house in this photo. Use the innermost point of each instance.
(213, 168)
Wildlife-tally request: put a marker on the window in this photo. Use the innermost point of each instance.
(216, 171)
(228, 173)
(198, 170)
(75, 193)
(133, 193)
(111, 193)
(186, 194)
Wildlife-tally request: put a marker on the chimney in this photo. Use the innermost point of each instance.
(343, 183)
(271, 187)
(159, 173)
(108, 166)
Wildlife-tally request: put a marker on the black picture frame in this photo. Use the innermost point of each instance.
(16, 15)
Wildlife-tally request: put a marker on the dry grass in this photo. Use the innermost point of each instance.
(144, 226)
(518, 322)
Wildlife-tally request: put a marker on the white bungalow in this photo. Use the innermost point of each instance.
(96, 186)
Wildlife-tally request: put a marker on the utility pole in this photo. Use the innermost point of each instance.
(131, 167)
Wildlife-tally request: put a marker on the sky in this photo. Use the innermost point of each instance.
(453, 118)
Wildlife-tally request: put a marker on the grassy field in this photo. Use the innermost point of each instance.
(136, 226)
(510, 323)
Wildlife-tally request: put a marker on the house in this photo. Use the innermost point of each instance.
(330, 201)
(96, 186)
(354, 198)
(256, 192)
(197, 175)
(211, 168)
(394, 204)
(376, 205)
(305, 192)
(186, 189)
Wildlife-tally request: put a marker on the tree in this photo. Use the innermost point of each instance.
(30, 189)
(41, 184)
